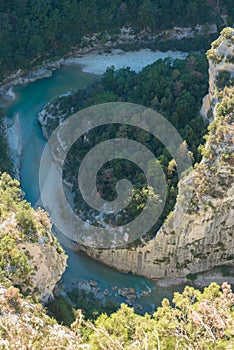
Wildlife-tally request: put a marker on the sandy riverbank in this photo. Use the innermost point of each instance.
(97, 63)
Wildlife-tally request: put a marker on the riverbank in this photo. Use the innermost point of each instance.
(97, 63)
(22, 77)
(98, 43)
(94, 62)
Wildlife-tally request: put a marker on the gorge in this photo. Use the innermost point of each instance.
(140, 260)
(30, 99)
(116, 174)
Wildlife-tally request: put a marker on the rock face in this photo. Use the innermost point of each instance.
(48, 266)
(198, 235)
(25, 325)
(14, 137)
(31, 256)
(220, 58)
(45, 258)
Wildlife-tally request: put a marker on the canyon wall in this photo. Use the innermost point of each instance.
(198, 235)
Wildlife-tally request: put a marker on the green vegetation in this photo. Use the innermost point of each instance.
(63, 308)
(213, 54)
(196, 320)
(224, 79)
(19, 225)
(34, 30)
(227, 33)
(193, 323)
(225, 107)
(13, 262)
(173, 88)
(192, 276)
(216, 153)
(91, 307)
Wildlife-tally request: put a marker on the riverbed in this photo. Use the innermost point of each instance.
(29, 101)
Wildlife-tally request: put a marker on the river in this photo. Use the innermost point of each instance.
(29, 101)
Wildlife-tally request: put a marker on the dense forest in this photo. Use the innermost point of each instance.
(34, 30)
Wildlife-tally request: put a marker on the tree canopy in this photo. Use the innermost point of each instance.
(34, 30)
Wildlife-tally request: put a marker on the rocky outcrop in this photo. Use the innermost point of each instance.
(15, 144)
(48, 265)
(45, 258)
(31, 256)
(198, 235)
(221, 59)
(128, 36)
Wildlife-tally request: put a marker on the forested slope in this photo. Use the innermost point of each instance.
(33, 30)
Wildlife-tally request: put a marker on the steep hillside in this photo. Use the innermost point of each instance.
(204, 209)
(196, 321)
(30, 256)
(221, 70)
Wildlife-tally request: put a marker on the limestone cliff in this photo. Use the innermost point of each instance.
(198, 235)
(48, 262)
(30, 255)
(221, 59)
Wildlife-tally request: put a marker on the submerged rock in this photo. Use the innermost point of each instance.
(124, 292)
(92, 283)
